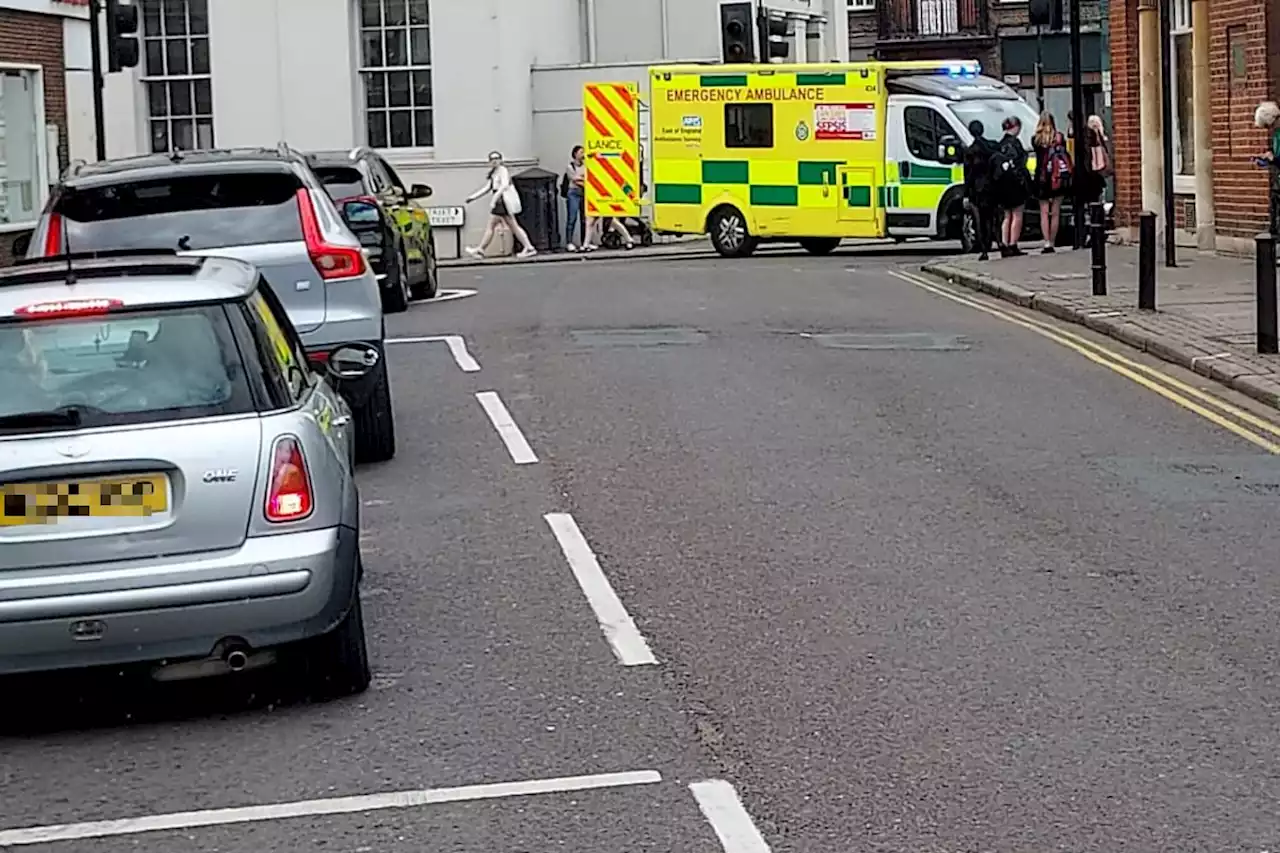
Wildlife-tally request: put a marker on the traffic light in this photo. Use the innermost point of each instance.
(122, 35)
(1045, 13)
(775, 43)
(735, 33)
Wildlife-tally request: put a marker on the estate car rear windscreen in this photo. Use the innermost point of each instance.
(341, 181)
(183, 212)
(147, 366)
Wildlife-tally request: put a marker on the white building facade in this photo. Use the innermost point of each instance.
(433, 84)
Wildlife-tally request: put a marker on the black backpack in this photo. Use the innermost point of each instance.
(564, 185)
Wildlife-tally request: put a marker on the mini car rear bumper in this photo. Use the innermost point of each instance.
(270, 591)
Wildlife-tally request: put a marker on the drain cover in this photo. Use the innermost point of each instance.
(922, 342)
(651, 337)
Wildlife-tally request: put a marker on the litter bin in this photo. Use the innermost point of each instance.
(539, 208)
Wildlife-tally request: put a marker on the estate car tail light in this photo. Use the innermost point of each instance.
(330, 260)
(289, 494)
(53, 236)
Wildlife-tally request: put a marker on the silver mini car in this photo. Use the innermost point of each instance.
(176, 479)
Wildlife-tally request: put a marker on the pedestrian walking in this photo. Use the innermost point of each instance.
(504, 206)
(979, 198)
(1267, 117)
(1053, 177)
(572, 188)
(1011, 185)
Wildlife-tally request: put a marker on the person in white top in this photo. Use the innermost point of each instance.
(504, 204)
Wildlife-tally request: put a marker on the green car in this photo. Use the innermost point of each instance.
(389, 220)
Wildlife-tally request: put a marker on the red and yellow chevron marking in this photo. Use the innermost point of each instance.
(611, 122)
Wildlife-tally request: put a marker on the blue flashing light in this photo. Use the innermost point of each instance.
(961, 70)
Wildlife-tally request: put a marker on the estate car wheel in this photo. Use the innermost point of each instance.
(395, 296)
(729, 234)
(430, 284)
(375, 424)
(338, 662)
(820, 245)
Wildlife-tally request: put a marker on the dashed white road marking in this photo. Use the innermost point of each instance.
(728, 817)
(508, 431)
(621, 632)
(310, 808)
(456, 344)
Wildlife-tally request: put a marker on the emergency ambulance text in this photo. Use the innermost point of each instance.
(766, 94)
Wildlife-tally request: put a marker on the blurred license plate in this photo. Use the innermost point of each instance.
(114, 497)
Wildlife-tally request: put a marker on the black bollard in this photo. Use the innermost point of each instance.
(1098, 247)
(1147, 261)
(1266, 257)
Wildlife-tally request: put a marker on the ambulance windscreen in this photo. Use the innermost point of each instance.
(992, 114)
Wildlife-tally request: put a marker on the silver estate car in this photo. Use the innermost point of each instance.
(261, 205)
(177, 481)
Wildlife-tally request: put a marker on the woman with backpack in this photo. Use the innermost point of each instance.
(1009, 170)
(1053, 177)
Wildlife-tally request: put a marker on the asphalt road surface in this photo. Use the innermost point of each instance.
(785, 554)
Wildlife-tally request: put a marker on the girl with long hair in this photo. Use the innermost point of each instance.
(1053, 177)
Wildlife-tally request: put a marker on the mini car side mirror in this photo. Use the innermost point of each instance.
(21, 244)
(352, 361)
(420, 191)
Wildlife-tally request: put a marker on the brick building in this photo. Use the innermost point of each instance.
(994, 32)
(35, 37)
(1239, 58)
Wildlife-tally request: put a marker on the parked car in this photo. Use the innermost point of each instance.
(263, 206)
(177, 481)
(396, 233)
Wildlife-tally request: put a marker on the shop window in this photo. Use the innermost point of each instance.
(23, 180)
(1184, 147)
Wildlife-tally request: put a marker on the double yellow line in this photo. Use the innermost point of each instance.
(1252, 428)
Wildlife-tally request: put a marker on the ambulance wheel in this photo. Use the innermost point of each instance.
(729, 234)
(820, 245)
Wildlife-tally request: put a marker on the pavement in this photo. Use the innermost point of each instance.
(779, 554)
(1206, 307)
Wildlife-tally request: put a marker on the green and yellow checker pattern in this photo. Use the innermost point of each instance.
(921, 190)
(762, 183)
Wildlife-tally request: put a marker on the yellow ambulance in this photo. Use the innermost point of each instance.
(814, 153)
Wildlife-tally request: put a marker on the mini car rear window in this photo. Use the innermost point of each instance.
(341, 181)
(137, 367)
(183, 212)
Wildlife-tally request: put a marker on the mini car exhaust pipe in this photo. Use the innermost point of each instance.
(228, 658)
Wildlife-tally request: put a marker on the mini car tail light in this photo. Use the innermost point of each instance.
(289, 494)
(330, 261)
(53, 236)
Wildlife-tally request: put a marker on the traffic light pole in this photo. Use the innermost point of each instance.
(95, 51)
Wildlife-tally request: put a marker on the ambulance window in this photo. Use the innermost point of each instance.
(748, 126)
(924, 128)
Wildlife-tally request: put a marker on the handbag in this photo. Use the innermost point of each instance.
(1098, 160)
(511, 198)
